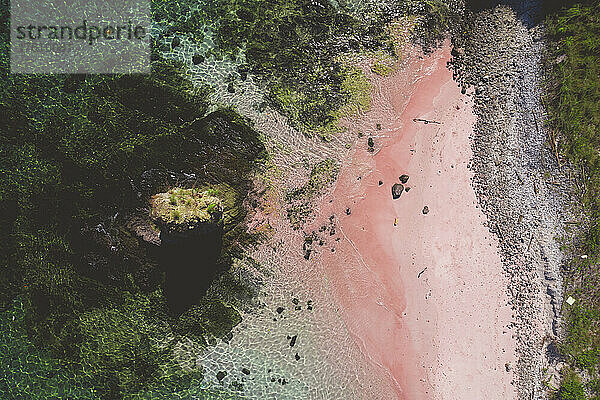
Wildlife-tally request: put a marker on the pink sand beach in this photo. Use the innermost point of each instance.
(426, 299)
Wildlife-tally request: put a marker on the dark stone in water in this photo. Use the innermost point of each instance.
(246, 371)
(230, 88)
(279, 310)
(404, 178)
(293, 341)
(221, 375)
(197, 59)
(371, 142)
(175, 42)
(297, 357)
(397, 190)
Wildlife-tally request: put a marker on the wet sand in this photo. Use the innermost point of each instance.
(426, 299)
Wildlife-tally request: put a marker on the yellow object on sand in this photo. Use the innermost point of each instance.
(395, 221)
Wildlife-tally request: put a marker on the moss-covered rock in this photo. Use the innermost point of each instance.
(183, 210)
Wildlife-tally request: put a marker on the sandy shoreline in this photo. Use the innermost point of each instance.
(425, 300)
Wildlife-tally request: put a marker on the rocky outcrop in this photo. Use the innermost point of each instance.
(185, 212)
(191, 230)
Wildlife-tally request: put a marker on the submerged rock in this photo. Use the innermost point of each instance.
(197, 59)
(397, 190)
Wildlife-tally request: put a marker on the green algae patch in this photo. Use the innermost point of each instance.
(384, 64)
(182, 210)
(322, 175)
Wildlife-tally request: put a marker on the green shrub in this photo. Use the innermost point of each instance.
(573, 105)
(571, 388)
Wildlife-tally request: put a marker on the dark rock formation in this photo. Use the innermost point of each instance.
(404, 178)
(197, 59)
(397, 190)
(191, 230)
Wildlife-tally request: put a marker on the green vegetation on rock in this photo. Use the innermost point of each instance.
(183, 209)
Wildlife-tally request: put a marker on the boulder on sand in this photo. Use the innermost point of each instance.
(397, 190)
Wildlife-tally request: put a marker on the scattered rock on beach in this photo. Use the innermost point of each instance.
(397, 190)
(425, 210)
(403, 178)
